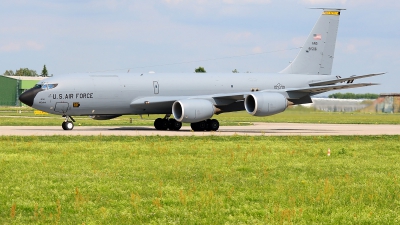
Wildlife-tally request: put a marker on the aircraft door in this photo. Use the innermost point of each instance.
(156, 87)
(61, 107)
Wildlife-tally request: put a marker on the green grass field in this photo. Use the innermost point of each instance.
(200, 180)
(12, 117)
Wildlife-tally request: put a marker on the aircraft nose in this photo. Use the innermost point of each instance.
(28, 96)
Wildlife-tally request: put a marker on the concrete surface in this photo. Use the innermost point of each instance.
(267, 129)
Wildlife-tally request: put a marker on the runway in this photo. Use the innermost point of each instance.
(266, 129)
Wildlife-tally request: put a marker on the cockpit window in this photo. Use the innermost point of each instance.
(48, 86)
(38, 86)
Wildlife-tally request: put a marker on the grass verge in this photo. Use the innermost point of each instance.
(199, 180)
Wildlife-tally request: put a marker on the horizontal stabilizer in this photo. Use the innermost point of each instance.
(320, 89)
(342, 80)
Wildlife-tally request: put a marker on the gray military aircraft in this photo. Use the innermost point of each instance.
(195, 98)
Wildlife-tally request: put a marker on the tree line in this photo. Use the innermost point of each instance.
(32, 73)
(202, 70)
(27, 72)
(354, 96)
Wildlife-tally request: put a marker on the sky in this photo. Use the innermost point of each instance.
(175, 36)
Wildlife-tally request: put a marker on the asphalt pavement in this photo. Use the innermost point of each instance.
(266, 129)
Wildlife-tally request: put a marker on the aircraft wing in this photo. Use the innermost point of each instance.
(325, 88)
(342, 80)
(165, 102)
(228, 98)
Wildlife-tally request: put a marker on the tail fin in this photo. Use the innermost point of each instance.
(316, 56)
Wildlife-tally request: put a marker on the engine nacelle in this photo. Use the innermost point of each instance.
(104, 117)
(192, 110)
(265, 103)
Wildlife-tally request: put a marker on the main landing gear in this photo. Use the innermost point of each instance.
(167, 123)
(205, 125)
(68, 125)
(171, 124)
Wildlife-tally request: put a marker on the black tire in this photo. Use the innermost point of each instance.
(202, 125)
(199, 126)
(193, 126)
(208, 125)
(164, 124)
(157, 123)
(174, 125)
(213, 125)
(67, 125)
(63, 125)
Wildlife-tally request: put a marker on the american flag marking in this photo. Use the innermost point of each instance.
(317, 37)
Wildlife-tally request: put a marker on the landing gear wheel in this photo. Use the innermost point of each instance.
(208, 127)
(202, 125)
(157, 123)
(67, 125)
(213, 125)
(161, 124)
(199, 126)
(164, 124)
(174, 125)
(193, 126)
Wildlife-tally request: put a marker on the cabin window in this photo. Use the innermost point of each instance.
(48, 86)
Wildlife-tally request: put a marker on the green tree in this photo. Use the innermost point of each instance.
(235, 71)
(200, 70)
(9, 73)
(354, 96)
(26, 72)
(44, 72)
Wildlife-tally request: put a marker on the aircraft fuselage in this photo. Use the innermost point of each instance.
(93, 94)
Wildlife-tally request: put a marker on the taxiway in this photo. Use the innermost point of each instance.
(266, 129)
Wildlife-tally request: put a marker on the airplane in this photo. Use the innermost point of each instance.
(196, 97)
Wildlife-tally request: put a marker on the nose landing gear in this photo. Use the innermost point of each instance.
(68, 125)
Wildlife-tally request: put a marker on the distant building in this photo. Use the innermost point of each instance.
(387, 103)
(12, 86)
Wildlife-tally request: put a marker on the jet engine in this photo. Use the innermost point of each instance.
(265, 103)
(192, 110)
(104, 117)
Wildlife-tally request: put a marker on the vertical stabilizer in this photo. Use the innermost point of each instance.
(316, 56)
